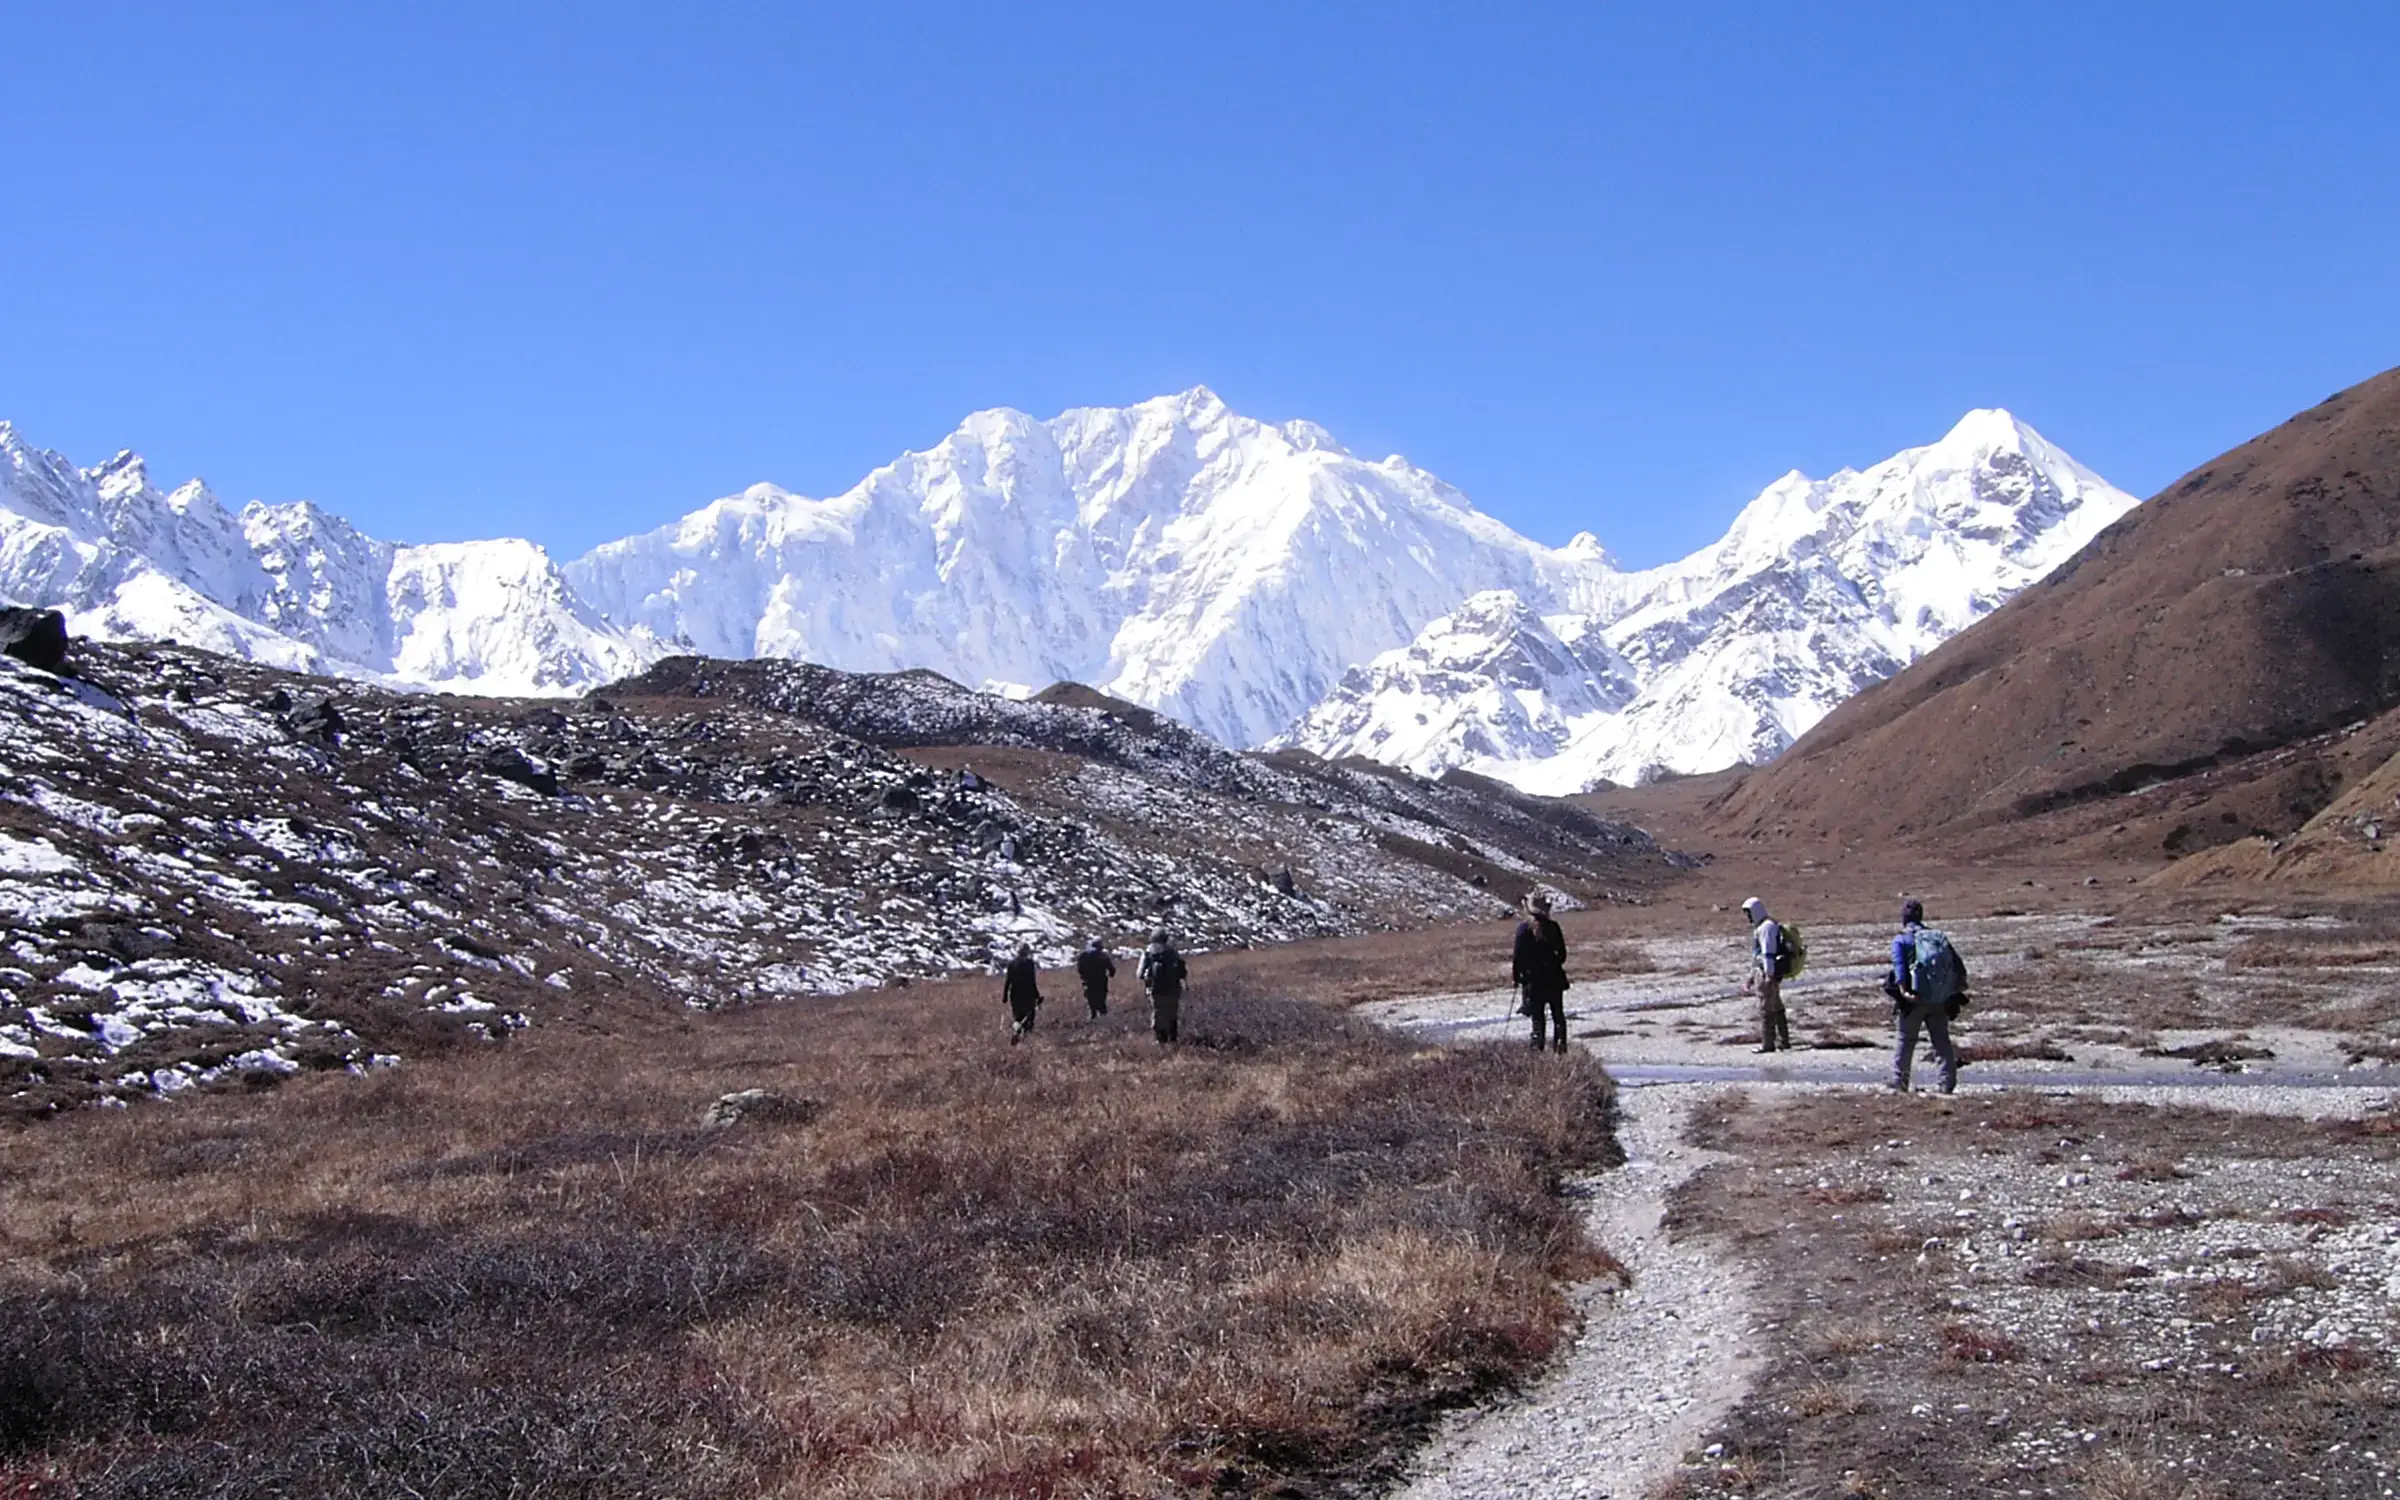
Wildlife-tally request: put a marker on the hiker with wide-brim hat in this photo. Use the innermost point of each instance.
(1538, 967)
(1020, 987)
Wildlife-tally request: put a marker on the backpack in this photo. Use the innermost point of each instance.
(1936, 975)
(1791, 955)
(1164, 971)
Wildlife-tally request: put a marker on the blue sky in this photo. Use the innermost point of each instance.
(568, 271)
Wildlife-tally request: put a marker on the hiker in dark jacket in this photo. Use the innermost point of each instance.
(1020, 987)
(1162, 973)
(1094, 966)
(1539, 969)
(1912, 1009)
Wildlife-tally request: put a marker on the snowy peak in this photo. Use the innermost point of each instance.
(1819, 588)
(1490, 682)
(291, 585)
(1173, 552)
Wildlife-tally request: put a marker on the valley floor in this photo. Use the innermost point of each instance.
(2150, 1249)
(1331, 1249)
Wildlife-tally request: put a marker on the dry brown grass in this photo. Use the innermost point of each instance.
(1823, 1398)
(2039, 1049)
(2309, 950)
(2124, 1476)
(1084, 1266)
(1976, 1343)
(2216, 1051)
(1451, 959)
(2077, 1225)
(2063, 1270)
(2151, 1169)
(1846, 1339)
(2328, 1218)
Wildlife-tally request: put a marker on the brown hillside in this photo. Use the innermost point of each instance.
(2249, 607)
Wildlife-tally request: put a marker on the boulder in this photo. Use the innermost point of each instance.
(758, 1104)
(316, 720)
(512, 764)
(36, 637)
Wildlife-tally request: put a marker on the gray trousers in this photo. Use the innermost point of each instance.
(1774, 1025)
(1934, 1018)
(1166, 1014)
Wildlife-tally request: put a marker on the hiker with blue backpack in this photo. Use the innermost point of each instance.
(1928, 986)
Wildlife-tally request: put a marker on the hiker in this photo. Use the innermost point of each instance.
(1162, 974)
(1770, 964)
(1539, 968)
(1020, 987)
(1931, 980)
(1094, 966)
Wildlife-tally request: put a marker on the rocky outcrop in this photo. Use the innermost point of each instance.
(36, 637)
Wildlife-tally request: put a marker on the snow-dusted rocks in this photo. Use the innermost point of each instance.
(1820, 588)
(211, 872)
(1258, 582)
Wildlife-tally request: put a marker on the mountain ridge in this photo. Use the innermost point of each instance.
(1233, 573)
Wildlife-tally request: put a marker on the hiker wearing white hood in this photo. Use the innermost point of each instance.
(1770, 962)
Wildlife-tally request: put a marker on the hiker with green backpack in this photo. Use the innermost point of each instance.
(1928, 987)
(1777, 953)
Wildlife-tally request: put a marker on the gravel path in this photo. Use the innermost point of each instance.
(1654, 1366)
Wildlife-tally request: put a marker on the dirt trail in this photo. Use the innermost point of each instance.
(1654, 1366)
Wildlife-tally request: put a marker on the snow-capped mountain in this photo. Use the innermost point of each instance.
(1174, 553)
(1257, 581)
(1820, 588)
(293, 585)
(1490, 684)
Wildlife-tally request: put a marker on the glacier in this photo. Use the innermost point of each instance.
(1255, 580)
